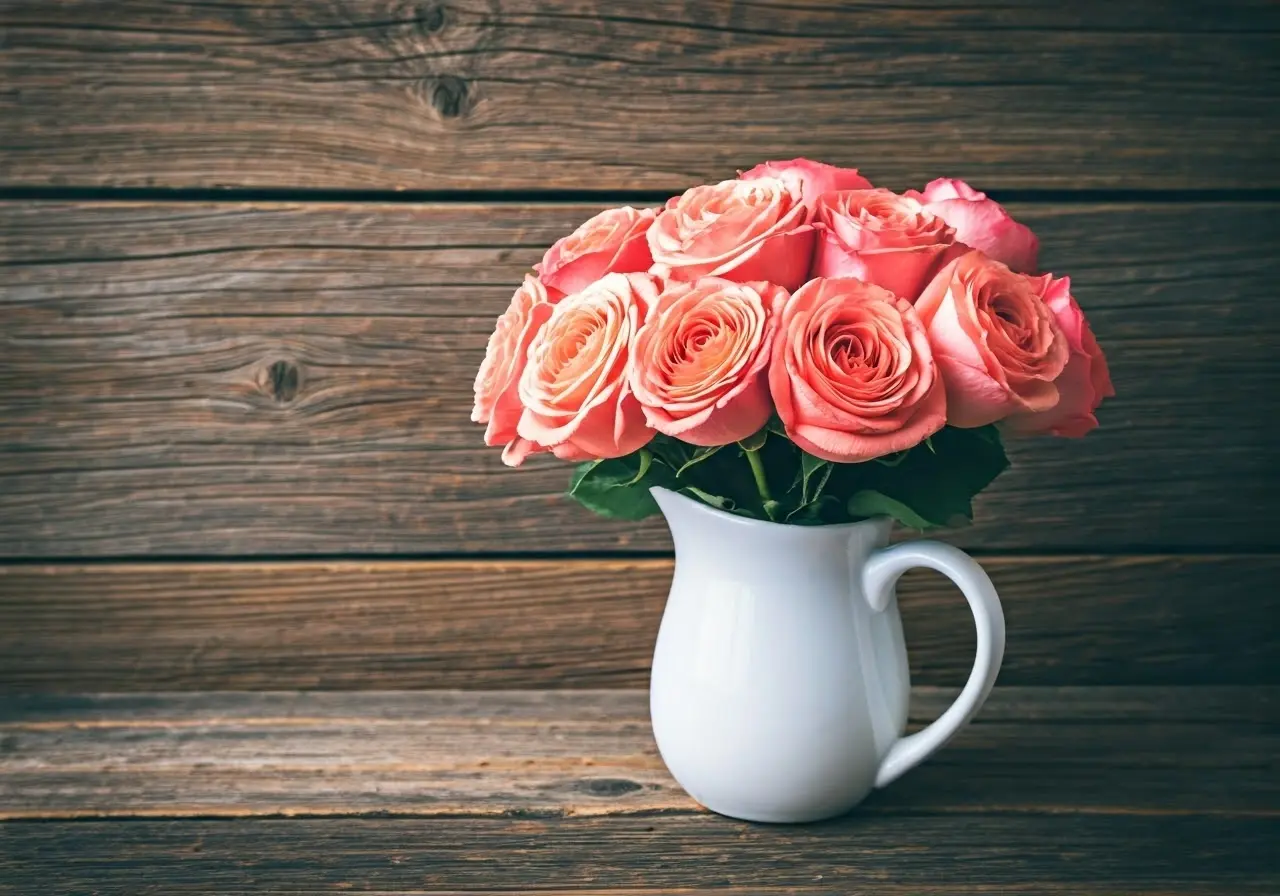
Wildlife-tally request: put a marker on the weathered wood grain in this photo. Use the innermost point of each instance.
(589, 623)
(217, 379)
(602, 94)
(1050, 791)
(1092, 751)
(1228, 705)
(863, 854)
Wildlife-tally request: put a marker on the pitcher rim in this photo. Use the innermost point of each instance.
(871, 521)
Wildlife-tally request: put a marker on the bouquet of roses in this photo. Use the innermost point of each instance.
(793, 345)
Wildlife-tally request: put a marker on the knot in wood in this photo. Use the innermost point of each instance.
(282, 380)
(432, 17)
(608, 786)
(450, 96)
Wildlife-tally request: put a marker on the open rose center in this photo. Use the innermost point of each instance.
(578, 342)
(1013, 328)
(709, 349)
(861, 360)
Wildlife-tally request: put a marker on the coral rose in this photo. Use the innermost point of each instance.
(497, 399)
(741, 230)
(700, 363)
(996, 341)
(611, 242)
(577, 401)
(981, 223)
(879, 237)
(852, 374)
(811, 179)
(1084, 382)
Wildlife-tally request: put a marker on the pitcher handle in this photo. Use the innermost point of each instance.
(883, 569)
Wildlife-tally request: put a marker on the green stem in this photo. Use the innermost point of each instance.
(757, 470)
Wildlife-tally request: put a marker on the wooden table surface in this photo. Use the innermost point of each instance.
(1090, 790)
(251, 545)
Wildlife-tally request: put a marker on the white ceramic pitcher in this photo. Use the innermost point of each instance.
(780, 682)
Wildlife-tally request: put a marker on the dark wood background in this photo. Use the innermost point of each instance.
(251, 253)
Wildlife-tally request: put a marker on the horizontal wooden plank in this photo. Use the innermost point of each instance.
(580, 753)
(1229, 705)
(857, 856)
(601, 94)
(139, 413)
(589, 623)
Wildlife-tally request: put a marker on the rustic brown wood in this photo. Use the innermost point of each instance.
(589, 752)
(1230, 705)
(292, 379)
(922, 855)
(589, 623)
(1095, 751)
(1050, 791)
(598, 94)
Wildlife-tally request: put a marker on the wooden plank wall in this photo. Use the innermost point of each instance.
(251, 253)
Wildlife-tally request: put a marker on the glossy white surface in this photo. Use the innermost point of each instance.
(780, 683)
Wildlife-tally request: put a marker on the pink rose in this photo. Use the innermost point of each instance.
(879, 237)
(741, 230)
(852, 374)
(1084, 382)
(810, 179)
(577, 401)
(995, 340)
(611, 242)
(497, 399)
(701, 360)
(981, 223)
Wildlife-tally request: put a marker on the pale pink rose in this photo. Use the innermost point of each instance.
(577, 401)
(700, 363)
(1084, 382)
(995, 340)
(981, 223)
(741, 230)
(497, 399)
(852, 374)
(880, 237)
(611, 242)
(811, 179)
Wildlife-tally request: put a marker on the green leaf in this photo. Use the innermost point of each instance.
(827, 509)
(708, 498)
(646, 461)
(775, 426)
(619, 488)
(873, 503)
(755, 442)
(669, 451)
(580, 472)
(774, 511)
(698, 457)
(814, 473)
(932, 485)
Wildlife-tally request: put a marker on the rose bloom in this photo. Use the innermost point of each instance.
(981, 223)
(809, 178)
(741, 230)
(700, 363)
(997, 343)
(852, 375)
(879, 237)
(611, 242)
(1084, 382)
(577, 401)
(497, 399)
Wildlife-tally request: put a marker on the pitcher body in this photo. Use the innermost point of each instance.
(780, 684)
